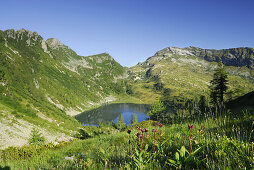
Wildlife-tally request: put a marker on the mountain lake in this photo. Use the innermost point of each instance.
(111, 112)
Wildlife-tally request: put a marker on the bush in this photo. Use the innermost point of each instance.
(36, 137)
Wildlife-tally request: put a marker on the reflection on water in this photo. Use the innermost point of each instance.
(111, 112)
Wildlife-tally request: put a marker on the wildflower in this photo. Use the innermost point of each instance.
(190, 126)
(214, 118)
(160, 125)
(146, 130)
(129, 131)
(190, 137)
(160, 133)
(138, 135)
(154, 130)
(142, 130)
(154, 142)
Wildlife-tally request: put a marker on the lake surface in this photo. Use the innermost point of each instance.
(111, 112)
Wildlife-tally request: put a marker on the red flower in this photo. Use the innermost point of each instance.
(214, 118)
(146, 130)
(154, 130)
(160, 125)
(191, 126)
(138, 135)
(160, 133)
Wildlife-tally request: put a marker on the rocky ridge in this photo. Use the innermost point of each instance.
(239, 57)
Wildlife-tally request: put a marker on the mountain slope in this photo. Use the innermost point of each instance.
(243, 102)
(188, 73)
(43, 81)
(50, 71)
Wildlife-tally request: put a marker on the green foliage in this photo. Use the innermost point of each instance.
(203, 105)
(213, 148)
(158, 86)
(36, 137)
(157, 110)
(134, 119)
(218, 87)
(129, 89)
(184, 159)
(120, 123)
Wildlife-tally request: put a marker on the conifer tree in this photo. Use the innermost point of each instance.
(134, 119)
(219, 85)
(120, 122)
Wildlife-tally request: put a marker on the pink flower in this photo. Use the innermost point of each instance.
(190, 137)
(190, 126)
(160, 125)
(154, 142)
(160, 133)
(154, 130)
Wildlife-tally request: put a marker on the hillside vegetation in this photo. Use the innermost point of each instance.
(45, 84)
(187, 74)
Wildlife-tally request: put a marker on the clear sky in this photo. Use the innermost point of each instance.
(133, 30)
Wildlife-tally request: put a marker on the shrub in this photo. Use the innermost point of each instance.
(36, 137)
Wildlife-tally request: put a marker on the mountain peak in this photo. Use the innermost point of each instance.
(189, 51)
(30, 37)
(54, 43)
(242, 56)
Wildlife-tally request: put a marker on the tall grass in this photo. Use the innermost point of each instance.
(220, 141)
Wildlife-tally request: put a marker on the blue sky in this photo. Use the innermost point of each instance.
(133, 30)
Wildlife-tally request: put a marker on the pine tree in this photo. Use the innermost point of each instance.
(36, 137)
(202, 104)
(219, 85)
(120, 122)
(134, 119)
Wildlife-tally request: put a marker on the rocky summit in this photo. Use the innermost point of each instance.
(243, 56)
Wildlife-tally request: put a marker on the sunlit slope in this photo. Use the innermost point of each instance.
(186, 75)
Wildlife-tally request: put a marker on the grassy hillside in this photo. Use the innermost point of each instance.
(241, 103)
(224, 142)
(43, 82)
(187, 76)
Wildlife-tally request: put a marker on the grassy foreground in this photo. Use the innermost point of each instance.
(213, 142)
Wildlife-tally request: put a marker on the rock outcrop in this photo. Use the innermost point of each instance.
(242, 56)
